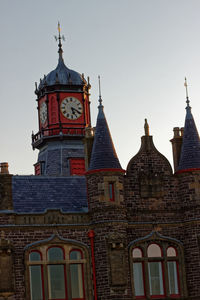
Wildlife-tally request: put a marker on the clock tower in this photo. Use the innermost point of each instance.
(63, 117)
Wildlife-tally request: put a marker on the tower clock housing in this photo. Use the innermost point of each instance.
(63, 117)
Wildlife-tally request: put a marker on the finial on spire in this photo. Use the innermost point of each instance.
(186, 88)
(59, 38)
(100, 100)
(146, 127)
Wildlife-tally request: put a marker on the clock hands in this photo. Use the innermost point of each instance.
(74, 111)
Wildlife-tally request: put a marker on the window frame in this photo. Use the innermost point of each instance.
(35, 263)
(143, 245)
(82, 269)
(140, 260)
(111, 191)
(67, 249)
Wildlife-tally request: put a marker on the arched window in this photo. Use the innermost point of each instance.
(138, 272)
(172, 266)
(56, 272)
(36, 275)
(76, 274)
(155, 270)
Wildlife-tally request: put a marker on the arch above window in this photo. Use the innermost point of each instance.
(137, 253)
(55, 253)
(154, 250)
(75, 255)
(171, 252)
(157, 265)
(57, 271)
(35, 256)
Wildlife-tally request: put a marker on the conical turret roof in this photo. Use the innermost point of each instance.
(190, 151)
(103, 152)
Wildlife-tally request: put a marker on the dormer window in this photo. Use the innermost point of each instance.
(39, 168)
(77, 166)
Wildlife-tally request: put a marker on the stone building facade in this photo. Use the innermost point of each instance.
(84, 228)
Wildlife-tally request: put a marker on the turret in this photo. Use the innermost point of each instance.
(105, 174)
(190, 150)
(63, 116)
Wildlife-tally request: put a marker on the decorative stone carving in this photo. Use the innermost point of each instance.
(118, 266)
(151, 185)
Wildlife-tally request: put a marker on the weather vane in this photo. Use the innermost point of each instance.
(100, 100)
(186, 88)
(59, 37)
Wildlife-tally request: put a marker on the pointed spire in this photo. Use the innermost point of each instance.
(100, 100)
(59, 38)
(146, 127)
(188, 107)
(103, 152)
(190, 150)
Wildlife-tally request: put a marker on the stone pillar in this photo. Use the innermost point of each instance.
(6, 268)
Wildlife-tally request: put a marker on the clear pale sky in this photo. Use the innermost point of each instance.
(142, 49)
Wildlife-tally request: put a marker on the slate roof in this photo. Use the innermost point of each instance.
(36, 194)
(103, 152)
(190, 151)
(62, 75)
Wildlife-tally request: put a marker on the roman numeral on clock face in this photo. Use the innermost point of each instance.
(71, 108)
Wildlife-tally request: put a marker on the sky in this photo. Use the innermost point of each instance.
(142, 49)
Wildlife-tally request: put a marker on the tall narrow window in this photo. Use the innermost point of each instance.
(35, 272)
(155, 271)
(111, 188)
(56, 274)
(172, 266)
(76, 275)
(138, 273)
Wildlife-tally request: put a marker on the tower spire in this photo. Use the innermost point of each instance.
(188, 107)
(186, 90)
(59, 38)
(100, 99)
(146, 127)
(190, 150)
(103, 152)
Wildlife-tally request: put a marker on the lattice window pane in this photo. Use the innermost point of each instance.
(76, 274)
(173, 279)
(155, 278)
(138, 279)
(56, 282)
(35, 282)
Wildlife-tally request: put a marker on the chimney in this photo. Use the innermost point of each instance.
(176, 145)
(88, 143)
(4, 168)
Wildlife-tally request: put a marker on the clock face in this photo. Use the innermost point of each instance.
(71, 108)
(43, 112)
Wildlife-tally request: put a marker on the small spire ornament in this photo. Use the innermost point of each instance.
(100, 99)
(146, 127)
(59, 38)
(186, 90)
